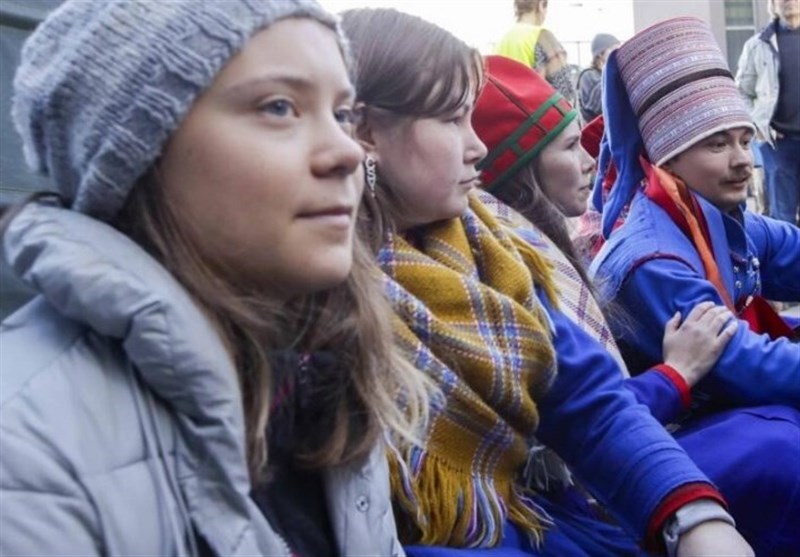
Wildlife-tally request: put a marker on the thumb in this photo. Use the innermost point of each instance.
(674, 322)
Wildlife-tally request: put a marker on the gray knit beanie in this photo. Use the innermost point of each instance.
(104, 83)
(601, 42)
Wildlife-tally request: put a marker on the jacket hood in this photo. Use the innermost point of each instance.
(93, 274)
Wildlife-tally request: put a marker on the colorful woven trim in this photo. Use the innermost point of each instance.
(680, 86)
(529, 139)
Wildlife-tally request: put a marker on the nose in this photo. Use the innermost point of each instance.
(741, 156)
(336, 152)
(475, 150)
(588, 163)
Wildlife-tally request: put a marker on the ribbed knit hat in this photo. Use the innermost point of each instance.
(679, 86)
(102, 84)
(517, 114)
(601, 42)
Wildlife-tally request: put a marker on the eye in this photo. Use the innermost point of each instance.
(349, 116)
(277, 107)
(456, 117)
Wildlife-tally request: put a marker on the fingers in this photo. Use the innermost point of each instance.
(729, 330)
(717, 319)
(708, 316)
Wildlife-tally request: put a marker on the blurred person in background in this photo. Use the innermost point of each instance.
(530, 43)
(769, 79)
(590, 82)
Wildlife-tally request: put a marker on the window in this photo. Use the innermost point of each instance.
(740, 25)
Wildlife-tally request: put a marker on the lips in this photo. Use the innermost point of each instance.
(336, 211)
(738, 181)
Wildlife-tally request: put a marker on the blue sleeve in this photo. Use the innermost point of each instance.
(658, 393)
(752, 370)
(611, 443)
(778, 246)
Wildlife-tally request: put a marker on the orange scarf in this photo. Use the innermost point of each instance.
(672, 195)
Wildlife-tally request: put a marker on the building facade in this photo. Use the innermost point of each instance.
(732, 21)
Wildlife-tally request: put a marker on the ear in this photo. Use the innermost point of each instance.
(365, 131)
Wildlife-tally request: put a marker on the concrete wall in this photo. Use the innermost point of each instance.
(648, 12)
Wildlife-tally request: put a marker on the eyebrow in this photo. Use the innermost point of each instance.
(292, 81)
(724, 135)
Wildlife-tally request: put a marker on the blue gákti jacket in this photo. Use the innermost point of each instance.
(611, 442)
(651, 269)
(662, 392)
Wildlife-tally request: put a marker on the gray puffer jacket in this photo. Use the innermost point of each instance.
(121, 429)
(757, 78)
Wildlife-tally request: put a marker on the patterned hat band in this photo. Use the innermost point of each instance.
(533, 135)
(517, 114)
(677, 84)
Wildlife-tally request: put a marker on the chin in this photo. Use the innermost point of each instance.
(458, 208)
(329, 271)
(573, 212)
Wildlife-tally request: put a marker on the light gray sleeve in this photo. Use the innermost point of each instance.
(746, 74)
(591, 92)
(43, 509)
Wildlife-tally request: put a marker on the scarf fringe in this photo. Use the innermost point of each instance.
(545, 470)
(455, 508)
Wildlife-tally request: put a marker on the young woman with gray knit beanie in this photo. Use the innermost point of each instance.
(208, 368)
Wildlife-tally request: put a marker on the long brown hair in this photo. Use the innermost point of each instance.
(351, 320)
(522, 192)
(406, 67)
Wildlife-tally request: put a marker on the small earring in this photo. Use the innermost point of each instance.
(370, 174)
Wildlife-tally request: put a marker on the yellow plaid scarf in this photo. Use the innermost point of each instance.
(464, 292)
(575, 299)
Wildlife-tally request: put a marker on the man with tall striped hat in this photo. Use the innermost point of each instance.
(676, 152)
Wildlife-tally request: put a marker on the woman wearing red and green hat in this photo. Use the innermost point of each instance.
(540, 173)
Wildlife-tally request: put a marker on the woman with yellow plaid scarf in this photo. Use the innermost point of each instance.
(524, 391)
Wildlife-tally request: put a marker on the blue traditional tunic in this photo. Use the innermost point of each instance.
(651, 269)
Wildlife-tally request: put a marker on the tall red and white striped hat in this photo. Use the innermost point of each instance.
(680, 86)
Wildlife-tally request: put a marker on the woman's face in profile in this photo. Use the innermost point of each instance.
(261, 172)
(564, 170)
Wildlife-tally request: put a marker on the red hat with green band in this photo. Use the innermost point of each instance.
(517, 114)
